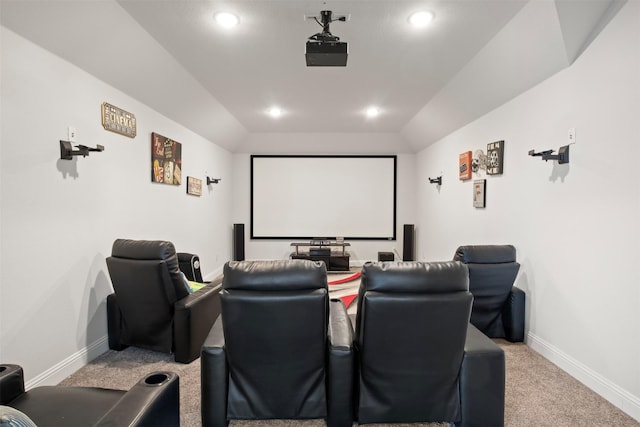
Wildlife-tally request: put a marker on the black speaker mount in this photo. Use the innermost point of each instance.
(67, 152)
(562, 156)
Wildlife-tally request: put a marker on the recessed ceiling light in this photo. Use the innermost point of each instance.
(274, 112)
(226, 19)
(372, 112)
(421, 19)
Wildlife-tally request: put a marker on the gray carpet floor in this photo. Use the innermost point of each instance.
(538, 393)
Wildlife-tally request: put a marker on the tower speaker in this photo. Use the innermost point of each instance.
(238, 242)
(408, 244)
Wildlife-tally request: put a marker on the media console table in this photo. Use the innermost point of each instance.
(335, 260)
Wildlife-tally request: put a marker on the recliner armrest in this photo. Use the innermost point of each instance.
(340, 330)
(194, 315)
(11, 383)
(482, 382)
(114, 323)
(211, 290)
(153, 401)
(214, 378)
(513, 313)
(340, 375)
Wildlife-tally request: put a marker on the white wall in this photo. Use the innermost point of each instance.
(314, 143)
(324, 143)
(59, 218)
(575, 226)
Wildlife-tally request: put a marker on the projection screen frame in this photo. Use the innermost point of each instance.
(393, 237)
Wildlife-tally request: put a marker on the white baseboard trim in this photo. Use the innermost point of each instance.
(68, 366)
(610, 391)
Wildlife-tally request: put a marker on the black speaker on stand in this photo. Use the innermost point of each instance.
(408, 244)
(238, 242)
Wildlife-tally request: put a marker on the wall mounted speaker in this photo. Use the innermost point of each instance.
(408, 244)
(238, 242)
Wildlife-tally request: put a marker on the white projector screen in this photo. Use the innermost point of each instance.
(306, 197)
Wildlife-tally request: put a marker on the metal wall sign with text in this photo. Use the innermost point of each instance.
(117, 120)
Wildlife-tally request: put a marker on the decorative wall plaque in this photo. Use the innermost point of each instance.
(166, 160)
(479, 161)
(117, 120)
(495, 157)
(479, 193)
(194, 186)
(465, 166)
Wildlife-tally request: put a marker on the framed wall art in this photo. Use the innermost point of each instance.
(194, 186)
(465, 166)
(479, 161)
(495, 158)
(166, 160)
(479, 193)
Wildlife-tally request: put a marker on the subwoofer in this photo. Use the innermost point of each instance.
(408, 244)
(238, 242)
(386, 256)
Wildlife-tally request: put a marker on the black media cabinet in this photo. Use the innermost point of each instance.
(335, 260)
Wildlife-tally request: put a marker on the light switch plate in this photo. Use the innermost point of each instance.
(71, 134)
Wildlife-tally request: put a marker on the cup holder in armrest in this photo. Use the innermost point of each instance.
(9, 369)
(156, 378)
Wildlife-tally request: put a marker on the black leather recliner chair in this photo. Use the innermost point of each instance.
(189, 264)
(498, 306)
(280, 349)
(151, 307)
(419, 358)
(152, 402)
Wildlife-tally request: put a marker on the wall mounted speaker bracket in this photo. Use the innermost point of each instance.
(562, 156)
(67, 152)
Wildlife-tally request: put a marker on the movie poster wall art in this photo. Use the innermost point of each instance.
(495, 158)
(465, 166)
(166, 160)
(479, 193)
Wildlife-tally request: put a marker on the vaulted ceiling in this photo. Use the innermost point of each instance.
(474, 56)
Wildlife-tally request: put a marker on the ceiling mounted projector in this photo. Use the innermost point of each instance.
(324, 49)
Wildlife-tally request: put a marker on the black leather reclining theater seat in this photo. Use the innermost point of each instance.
(151, 307)
(419, 358)
(498, 306)
(280, 350)
(153, 401)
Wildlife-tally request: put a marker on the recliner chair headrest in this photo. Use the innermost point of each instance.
(486, 254)
(153, 250)
(143, 249)
(415, 277)
(280, 275)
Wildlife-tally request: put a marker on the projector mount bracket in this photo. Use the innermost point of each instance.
(327, 18)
